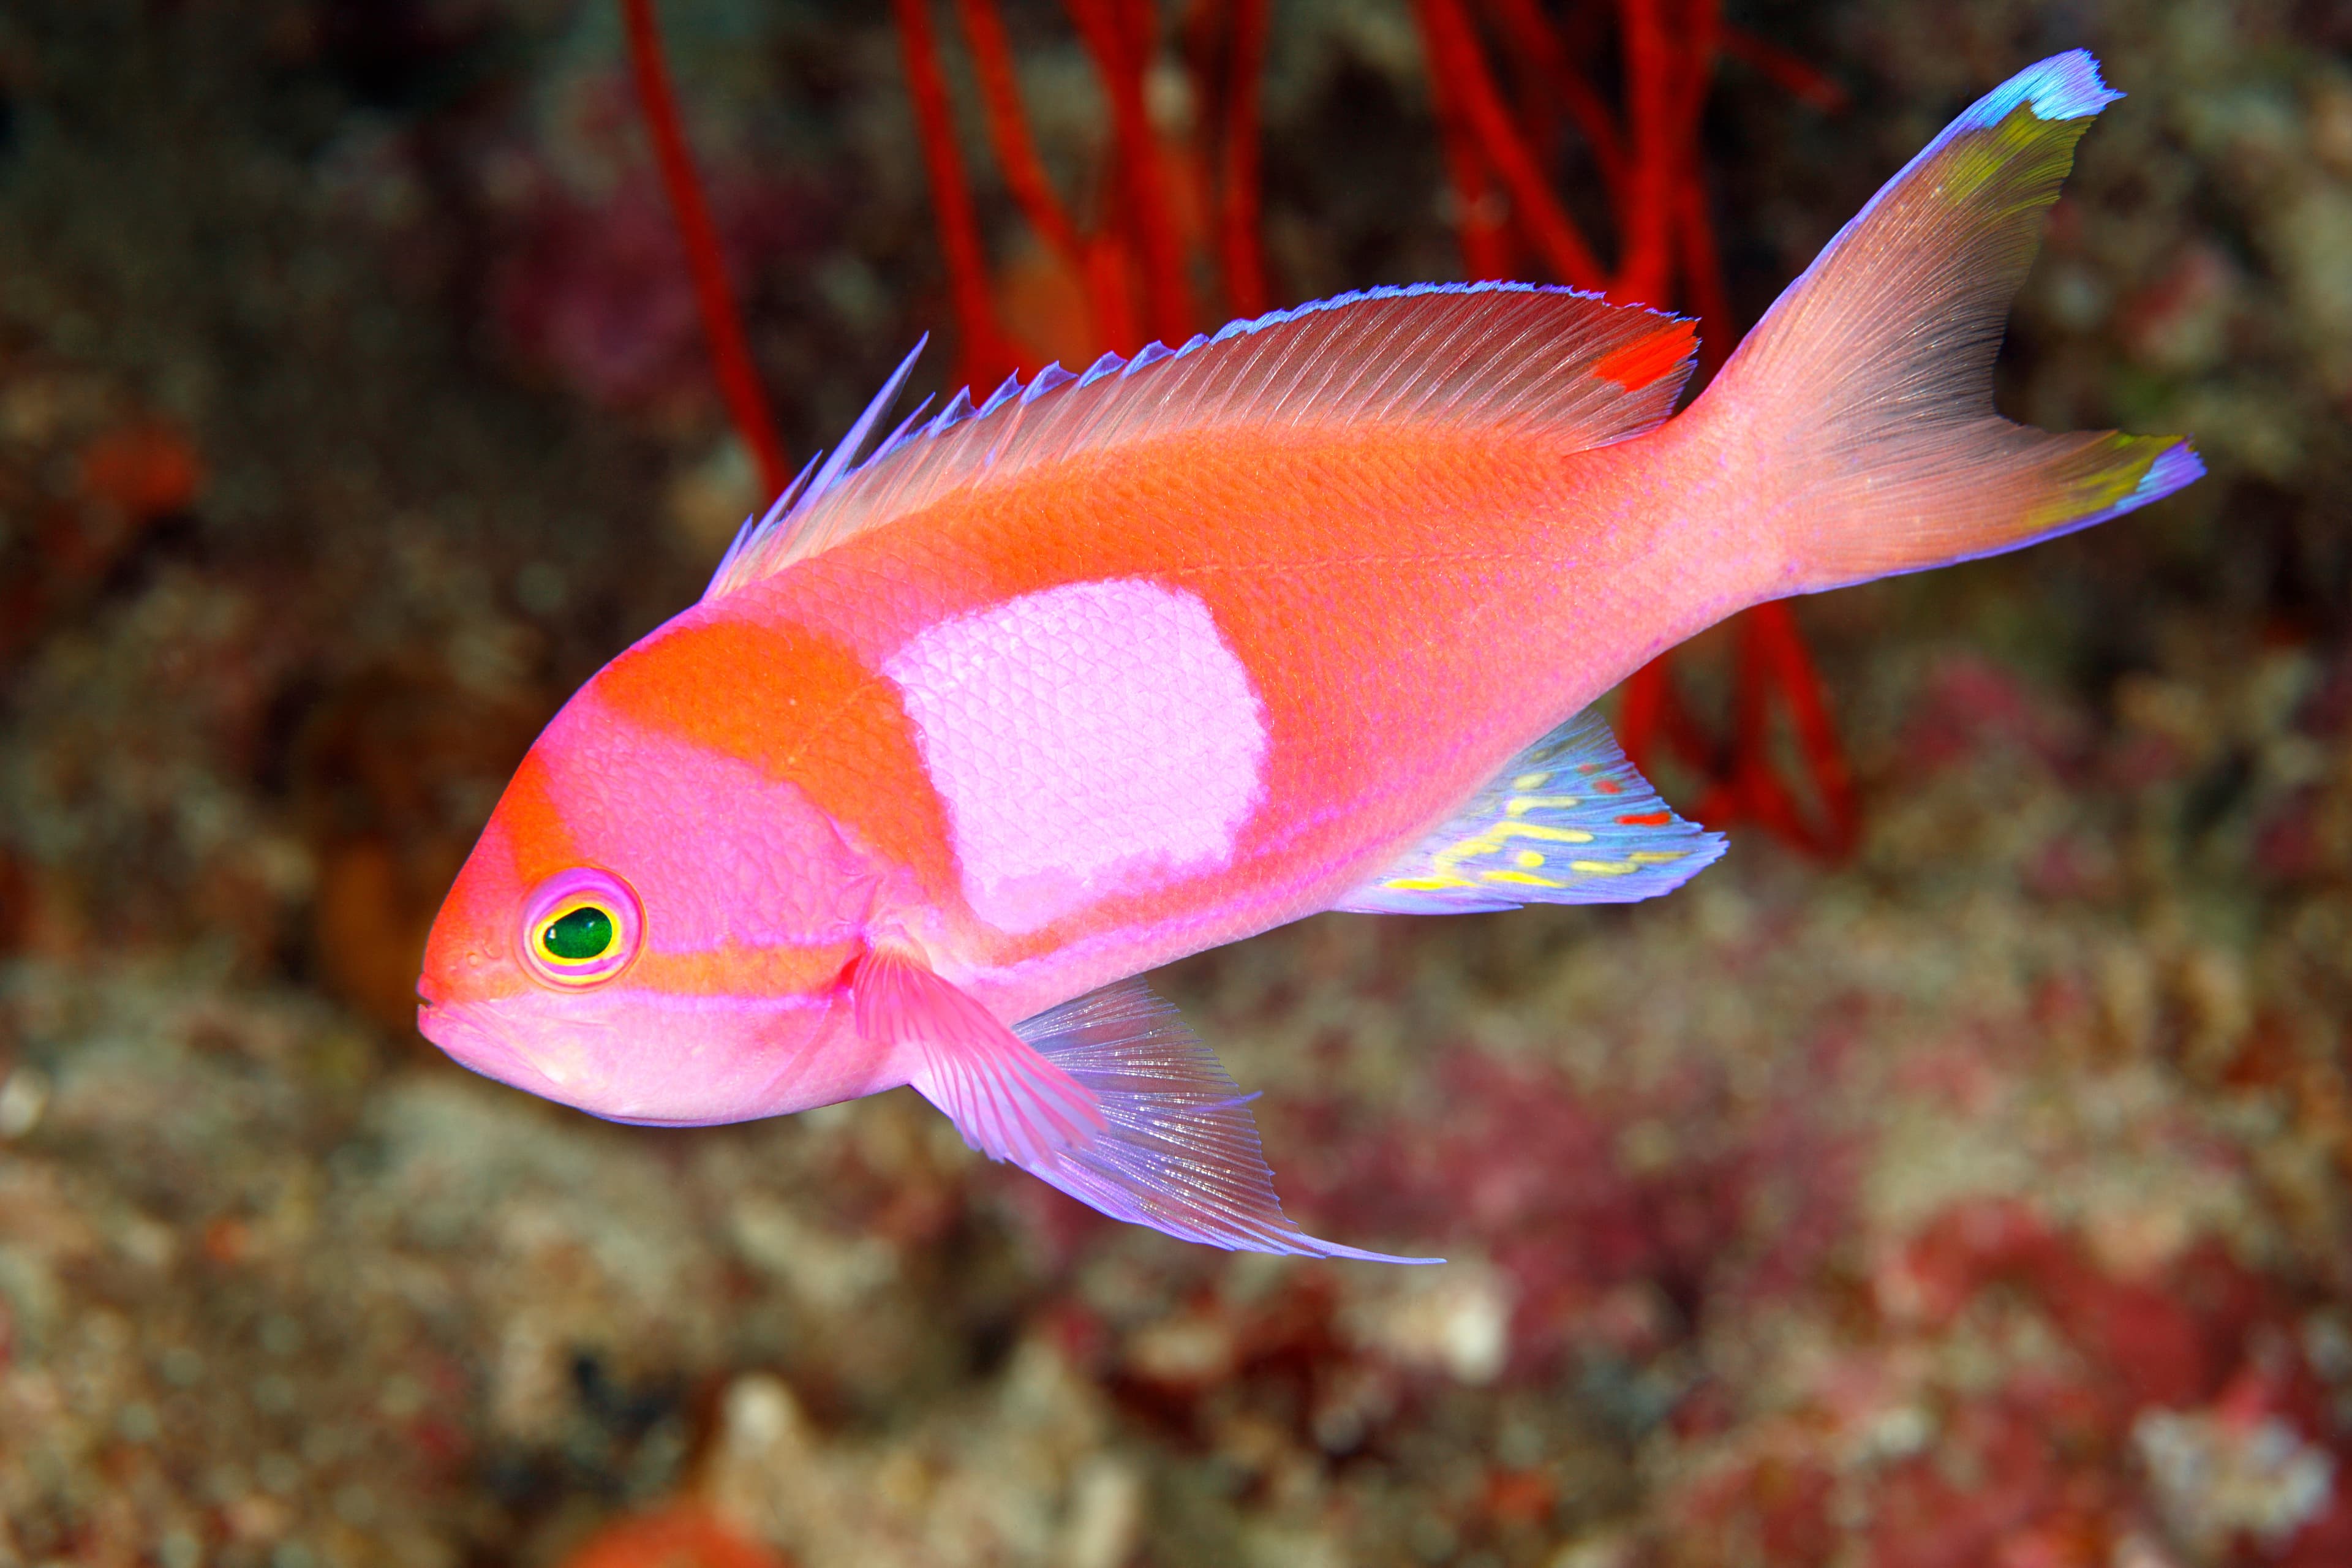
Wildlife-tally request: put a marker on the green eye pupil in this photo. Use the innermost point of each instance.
(586, 932)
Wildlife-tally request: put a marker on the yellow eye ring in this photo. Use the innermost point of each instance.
(581, 928)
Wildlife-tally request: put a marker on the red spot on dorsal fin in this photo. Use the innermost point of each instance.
(1607, 786)
(1646, 359)
(1646, 818)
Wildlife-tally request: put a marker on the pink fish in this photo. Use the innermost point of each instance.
(1305, 615)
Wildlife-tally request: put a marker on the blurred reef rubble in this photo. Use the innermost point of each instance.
(1983, 1200)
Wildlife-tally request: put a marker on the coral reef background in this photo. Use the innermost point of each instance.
(1984, 1198)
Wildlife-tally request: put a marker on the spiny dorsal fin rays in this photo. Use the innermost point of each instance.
(1502, 357)
(748, 537)
(759, 524)
(855, 442)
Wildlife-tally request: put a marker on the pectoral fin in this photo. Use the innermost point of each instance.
(1179, 1150)
(1009, 1102)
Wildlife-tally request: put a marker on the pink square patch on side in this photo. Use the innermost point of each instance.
(1085, 740)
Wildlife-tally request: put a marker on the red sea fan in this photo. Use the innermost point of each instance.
(1131, 268)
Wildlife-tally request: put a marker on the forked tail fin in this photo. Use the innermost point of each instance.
(1868, 385)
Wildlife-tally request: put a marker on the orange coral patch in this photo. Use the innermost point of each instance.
(681, 1536)
(147, 470)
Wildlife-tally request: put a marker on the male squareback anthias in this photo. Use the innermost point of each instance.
(1305, 615)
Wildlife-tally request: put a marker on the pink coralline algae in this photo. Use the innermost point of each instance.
(1619, 1215)
(1971, 706)
(596, 292)
(2173, 1420)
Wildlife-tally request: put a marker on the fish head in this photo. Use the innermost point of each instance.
(654, 932)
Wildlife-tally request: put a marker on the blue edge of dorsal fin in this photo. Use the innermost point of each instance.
(815, 482)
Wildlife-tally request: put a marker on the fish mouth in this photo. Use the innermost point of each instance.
(476, 1042)
(645, 1059)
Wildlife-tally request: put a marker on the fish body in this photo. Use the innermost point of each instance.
(1115, 745)
(1113, 668)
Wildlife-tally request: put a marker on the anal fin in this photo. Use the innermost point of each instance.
(1179, 1150)
(1567, 821)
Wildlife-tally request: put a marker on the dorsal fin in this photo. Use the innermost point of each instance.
(1485, 355)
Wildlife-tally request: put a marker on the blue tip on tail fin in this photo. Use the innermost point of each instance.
(2063, 87)
(1870, 381)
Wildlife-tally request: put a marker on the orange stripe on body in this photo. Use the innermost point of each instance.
(799, 707)
(735, 969)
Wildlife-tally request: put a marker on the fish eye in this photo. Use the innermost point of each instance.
(581, 928)
(581, 936)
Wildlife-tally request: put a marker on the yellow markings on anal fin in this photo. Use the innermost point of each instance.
(1496, 837)
(1971, 163)
(1549, 835)
(1466, 862)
